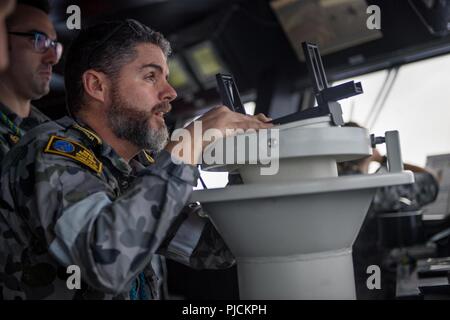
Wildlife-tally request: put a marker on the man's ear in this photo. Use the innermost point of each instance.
(95, 85)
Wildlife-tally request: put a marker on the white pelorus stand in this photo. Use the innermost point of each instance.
(292, 232)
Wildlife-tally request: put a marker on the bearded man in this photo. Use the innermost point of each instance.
(73, 200)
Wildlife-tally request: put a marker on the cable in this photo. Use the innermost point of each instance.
(383, 102)
(422, 18)
(201, 179)
(378, 98)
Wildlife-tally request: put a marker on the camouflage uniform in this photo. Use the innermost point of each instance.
(12, 127)
(158, 262)
(423, 191)
(69, 199)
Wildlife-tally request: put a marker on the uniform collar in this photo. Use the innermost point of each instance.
(100, 147)
(11, 115)
(145, 157)
(35, 114)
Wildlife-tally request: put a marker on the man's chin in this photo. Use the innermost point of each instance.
(156, 124)
(40, 92)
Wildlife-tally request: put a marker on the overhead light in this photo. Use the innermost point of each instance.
(179, 77)
(205, 62)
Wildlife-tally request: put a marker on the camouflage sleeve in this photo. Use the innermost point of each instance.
(427, 188)
(110, 240)
(423, 191)
(4, 148)
(196, 242)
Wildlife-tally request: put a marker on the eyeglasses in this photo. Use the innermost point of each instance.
(42, 43)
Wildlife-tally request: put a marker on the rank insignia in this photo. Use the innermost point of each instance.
(14, 139)
(89, 134)
(71, 149)
(148, 157)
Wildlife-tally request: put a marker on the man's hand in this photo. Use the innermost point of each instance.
(220, 118)
(376, 156)
(223, 118)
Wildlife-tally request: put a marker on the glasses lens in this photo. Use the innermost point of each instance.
(59, 50)
(40, 42)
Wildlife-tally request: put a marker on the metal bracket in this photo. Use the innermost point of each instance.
(326, 96)
(393, 150)
(229, 93)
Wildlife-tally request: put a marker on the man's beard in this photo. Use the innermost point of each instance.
(131, 124)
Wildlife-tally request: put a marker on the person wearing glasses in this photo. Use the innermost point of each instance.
(32, 51)
(73, 197)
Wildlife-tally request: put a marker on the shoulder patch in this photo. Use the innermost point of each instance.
(71, 149)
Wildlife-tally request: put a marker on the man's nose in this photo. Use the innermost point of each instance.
(168, 93)
(50, 56)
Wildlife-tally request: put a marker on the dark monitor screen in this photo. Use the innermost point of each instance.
(333, 25)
